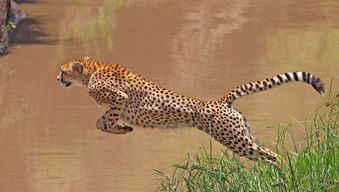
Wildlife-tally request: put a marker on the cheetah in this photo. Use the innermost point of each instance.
(131, 100)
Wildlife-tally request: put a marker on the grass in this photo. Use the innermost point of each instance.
(312, 167)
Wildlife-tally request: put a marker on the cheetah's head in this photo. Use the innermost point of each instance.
(73, 73)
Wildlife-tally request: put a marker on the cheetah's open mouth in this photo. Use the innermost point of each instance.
(67, 84)
(61, 80)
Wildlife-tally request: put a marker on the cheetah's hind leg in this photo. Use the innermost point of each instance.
(109, 123)
(258, 152)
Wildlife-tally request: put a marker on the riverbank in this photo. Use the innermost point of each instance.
(312, 167)
(10, 16)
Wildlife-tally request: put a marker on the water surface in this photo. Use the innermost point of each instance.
(201, 49)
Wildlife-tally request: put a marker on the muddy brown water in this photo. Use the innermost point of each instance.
(201, 49)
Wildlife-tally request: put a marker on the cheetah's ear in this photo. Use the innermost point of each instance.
(78, 67)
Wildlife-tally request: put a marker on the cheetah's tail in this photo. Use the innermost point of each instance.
(253, 87)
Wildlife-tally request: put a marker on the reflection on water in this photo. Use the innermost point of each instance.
(313, 47)
(201, 48)
(197, 44)
(93, 23)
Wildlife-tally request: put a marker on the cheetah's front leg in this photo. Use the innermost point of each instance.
(113, 97)
(109, 122)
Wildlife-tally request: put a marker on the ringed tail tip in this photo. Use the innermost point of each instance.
(318, 85)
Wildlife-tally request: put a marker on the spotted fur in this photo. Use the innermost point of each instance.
(132, 100)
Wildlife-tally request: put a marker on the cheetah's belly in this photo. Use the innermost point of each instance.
(154, 117)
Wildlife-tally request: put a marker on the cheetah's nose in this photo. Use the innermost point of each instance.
(59, 77)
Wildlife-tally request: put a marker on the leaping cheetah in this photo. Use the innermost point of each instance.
(132, 100)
